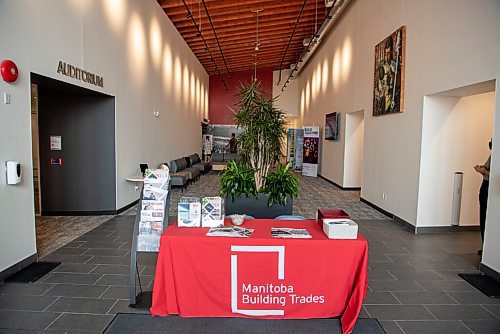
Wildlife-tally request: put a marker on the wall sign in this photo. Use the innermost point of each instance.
(55, 143)
(79, 74)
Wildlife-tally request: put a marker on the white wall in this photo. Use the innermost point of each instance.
(354, 147)
(287, 100)
(442, 53)
(145, 64)
(455, 136)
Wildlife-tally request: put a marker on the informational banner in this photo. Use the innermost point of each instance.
(310, 151)
(295, 140)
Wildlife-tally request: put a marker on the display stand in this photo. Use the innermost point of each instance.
(143, 299)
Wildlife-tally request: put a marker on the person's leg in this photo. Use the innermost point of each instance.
(483, 202)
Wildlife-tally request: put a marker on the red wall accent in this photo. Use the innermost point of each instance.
(220, 99)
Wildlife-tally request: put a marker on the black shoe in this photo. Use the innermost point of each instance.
(480, 252)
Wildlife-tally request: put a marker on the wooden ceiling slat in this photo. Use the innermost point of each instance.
(235, 24)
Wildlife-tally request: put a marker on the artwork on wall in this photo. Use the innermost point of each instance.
(388, 83)
(332, 126)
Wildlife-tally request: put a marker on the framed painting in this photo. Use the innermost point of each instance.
(389, 76)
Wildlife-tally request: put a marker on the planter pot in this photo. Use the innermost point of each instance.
(257, 207)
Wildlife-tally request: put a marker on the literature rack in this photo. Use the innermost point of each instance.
(150, 221)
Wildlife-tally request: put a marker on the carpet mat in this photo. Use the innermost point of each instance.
(145, 323)
(483, 283)
(33, 272)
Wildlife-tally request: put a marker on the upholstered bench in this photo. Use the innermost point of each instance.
(203, 166)
(180, 165)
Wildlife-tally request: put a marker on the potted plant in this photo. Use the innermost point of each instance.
(270, 191)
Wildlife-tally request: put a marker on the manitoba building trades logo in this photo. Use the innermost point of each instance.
(270, 298)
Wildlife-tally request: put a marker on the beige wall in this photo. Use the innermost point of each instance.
(442, 53)
(145, 64)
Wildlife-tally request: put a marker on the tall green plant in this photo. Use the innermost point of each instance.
(280, 184)
(264, 129)
(236, 180)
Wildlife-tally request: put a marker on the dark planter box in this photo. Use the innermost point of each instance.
(257, 207)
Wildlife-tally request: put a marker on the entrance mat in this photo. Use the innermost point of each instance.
(483, 283)
(145, 323)
(33, 272)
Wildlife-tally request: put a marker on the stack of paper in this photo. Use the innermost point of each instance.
(285, 232)
(152, 210)
(230, 231)
(189, 212)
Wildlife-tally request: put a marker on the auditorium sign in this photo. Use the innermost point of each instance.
(79, 74)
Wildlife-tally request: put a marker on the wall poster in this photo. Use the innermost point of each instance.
(388, 83)
(310, 151)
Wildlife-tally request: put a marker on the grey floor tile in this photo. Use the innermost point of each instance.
(446, 286)
(25, 303)
(70, 251)
(377, 275)
(72, 278)
(76, 290)
(75, 244)
(122, 280)
(424, 298)
(122, 306)
(390, 266)
(21, 289)
(77, 268)
(116, 269)
(483, 326)
(98, 259)
(459, 312)
(391, 327)
(107, 252)
(82, 305)
(416, 275)
(493, 309)
(473, 297)
(451, 275)
(148, 270)
(81, 322)
(116, 292)
(399, 312)
(102, 244)
(433, 327)
(26, 320)
(394, 286)
(67, 258)
(18, 331)
(380, 298)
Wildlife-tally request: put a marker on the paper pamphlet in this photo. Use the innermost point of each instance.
(212, 212)
(230, 231)
(284, 232)
(189, 212)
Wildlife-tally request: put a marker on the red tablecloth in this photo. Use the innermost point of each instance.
(260, 276)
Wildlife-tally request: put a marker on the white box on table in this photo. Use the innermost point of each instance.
(340, 228)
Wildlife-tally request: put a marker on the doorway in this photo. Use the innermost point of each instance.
(354, 146)
(457, 125)
(74, 168)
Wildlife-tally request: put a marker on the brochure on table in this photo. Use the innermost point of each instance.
(204, 212)
(152, 215)
(310, 151)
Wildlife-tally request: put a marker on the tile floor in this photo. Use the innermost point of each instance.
(413, 283)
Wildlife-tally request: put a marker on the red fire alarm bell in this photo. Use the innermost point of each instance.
(9, 71)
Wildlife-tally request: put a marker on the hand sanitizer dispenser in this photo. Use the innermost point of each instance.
(13, 172)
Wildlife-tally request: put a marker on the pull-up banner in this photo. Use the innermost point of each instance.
(310, 151)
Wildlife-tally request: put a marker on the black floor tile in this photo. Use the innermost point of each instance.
(77, 290)
(397, 286)
(26, 320)
(23, 289)
(380, 298)
(81, 322)
(124, 260)
(122, 280)
(76, 268)
(107, 252)
(459, 312)
(483, 326)
(473, 297)
(25, 303)
(398, 312)
(391, 327)
(72, 278)
(82, 305)
(493, 309)
(433, 327)
(122, 306)
(117, 292)
(116, 269)
(423, 298)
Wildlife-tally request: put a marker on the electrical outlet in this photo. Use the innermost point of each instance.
(6, 98)
(136, 188)
(383, 196)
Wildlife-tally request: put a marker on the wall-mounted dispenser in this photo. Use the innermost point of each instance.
(13, 172)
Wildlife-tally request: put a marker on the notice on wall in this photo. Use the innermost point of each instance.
(55, 143)
(310, 151)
